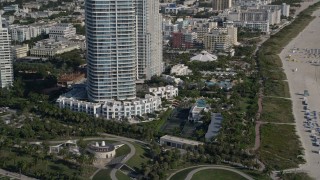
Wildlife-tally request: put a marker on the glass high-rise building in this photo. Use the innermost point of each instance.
(6, 70)
(111, 49)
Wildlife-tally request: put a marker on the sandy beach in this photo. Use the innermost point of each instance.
(301, 62)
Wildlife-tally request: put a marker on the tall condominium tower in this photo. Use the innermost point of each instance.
(6, 70)
(220, 5)
(111, 49)
(149, 39)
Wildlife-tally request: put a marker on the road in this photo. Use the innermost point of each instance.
(204, 167)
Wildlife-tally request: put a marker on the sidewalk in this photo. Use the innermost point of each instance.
(15, 175)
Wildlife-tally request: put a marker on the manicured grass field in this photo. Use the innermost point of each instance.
(123, 150)
(121, 176)
(280, 146)
(296, 176)
(139, 158)
(182, 174)
(103, 174)
(216, 174)
(277, 110)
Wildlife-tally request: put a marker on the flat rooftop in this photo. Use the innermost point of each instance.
(215, 125)
(78, 92)
(181, 140)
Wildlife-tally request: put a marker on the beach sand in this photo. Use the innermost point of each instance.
(307, 77)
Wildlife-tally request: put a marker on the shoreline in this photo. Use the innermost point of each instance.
(303, 75)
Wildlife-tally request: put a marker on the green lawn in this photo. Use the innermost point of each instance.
(277, 110)
(280, 146)
(121, 176)
(103, 174)
(216, 174)
(123, 150)
(182, 174)
(49, 166)
(139, 158)
(296, 176)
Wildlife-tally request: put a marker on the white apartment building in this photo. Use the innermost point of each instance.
(221, 39)
(50, 48)
(20, 51)
(172, 79)
(263, 26)
(149, 39)
(220, 5)
(62, 31)
(112, 109)
(13, 7)
(180, 70)
(166, 92)
(256, 15)
(80, 40)
(284, 8)
(26, 32)
(6, 69)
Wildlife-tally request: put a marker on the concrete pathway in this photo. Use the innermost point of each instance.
(129, 156)
(15, 175)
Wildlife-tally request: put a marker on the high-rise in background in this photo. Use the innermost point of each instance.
(6, 69)
(220, 5)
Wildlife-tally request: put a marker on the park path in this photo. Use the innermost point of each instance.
(106, 136)
(15, 175)
(129, 156)
(257, 141)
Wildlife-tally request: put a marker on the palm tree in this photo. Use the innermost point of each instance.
(91, 158)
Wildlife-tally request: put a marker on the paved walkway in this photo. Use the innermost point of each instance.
(129, 156)
(204, 167)
(15, 175)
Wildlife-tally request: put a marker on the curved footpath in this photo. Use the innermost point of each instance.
(204, 167)
(121, 139)
(129, 156)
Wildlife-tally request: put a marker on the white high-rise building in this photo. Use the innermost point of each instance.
(149, 22)
(124, 44)
(6, 70)
(111, 49)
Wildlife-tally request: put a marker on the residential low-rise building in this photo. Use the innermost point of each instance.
(20, 51)
(62, 31)
(172, 79)
(262, 26)
(166, 92)
(51, 47)
(196, 110)
(13, 7)
(75, 100)
(180, 70)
